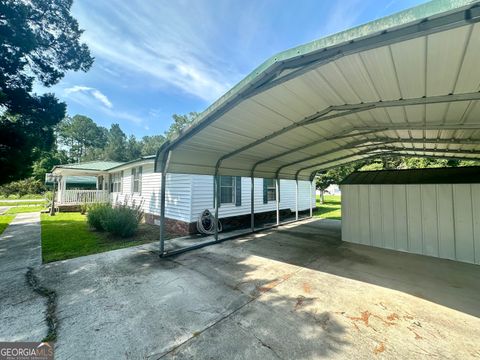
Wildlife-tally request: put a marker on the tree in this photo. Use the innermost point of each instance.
(322, 182)
(79, 134)
(116, 148)
(180, 122)
(46, 162)
(39, 40)
(151, 144)
(134, 148)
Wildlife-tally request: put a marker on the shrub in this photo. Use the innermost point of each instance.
(122, 221)
(17, 189)
(96, 214)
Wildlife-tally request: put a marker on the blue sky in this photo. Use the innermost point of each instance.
(154, 58)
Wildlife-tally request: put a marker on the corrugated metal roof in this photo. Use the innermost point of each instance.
(407, 84)
(91, 165)
(451, 175)
(101, 165)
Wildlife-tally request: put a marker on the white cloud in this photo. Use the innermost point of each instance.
(102, 98)
(343, 15)
(153, 39)
(95, 93)
(91, 97)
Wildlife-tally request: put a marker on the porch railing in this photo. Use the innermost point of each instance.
(83, 196)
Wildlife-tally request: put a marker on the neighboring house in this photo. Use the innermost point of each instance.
(187, 196)
(332, 190)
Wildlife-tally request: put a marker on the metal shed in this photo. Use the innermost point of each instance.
(407, 84)
(433, 212)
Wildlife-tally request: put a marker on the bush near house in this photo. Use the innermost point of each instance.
(95, 215)
(120, 221)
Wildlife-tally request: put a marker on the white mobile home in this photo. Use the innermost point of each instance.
(187, 196)
(433, 212)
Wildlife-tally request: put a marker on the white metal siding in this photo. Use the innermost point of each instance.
(202, 197)
(188, 195)
(178, 193)
(440, 220)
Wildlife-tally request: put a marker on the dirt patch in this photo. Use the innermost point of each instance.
(393, 317)
(380, 348)
(269, 286)
(307, 288)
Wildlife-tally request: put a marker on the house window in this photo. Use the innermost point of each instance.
(117, 182)
(227, 189)
(271, 189)
(137, 179)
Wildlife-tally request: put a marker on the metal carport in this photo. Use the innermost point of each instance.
(407, 84)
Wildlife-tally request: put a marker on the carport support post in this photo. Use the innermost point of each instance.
(216, 194)
(296, 199)
(277, 199)
(252, 204)
(163, 187)
(311, 194)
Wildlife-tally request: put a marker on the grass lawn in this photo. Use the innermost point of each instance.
(24, 209)
(23, 197)
(67, 235)
(4, 221)
(22, 203)
(331, 209)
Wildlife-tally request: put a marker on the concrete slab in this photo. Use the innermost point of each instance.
(21, 310)
(297, 292)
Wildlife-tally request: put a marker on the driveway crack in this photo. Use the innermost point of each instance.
(51, 297)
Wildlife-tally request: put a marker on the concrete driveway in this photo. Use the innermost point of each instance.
(297, 293)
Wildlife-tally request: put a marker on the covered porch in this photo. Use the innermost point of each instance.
(96, 190)
(76, 184)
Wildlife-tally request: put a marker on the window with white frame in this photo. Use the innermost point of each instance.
(137, 179)
(271, 189)
(116, 182)
(227, 190)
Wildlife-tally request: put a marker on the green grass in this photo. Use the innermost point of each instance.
(24, 209)
(331, 209)
(23, 203)
(67, 235)
(24, 197)
(4, 221)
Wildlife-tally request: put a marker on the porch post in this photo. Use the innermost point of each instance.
(296, 199)
(252, 204)
(277, 199)
(163, 187)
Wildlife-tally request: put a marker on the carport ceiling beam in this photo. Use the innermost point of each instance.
(382, 141)
(363, 131)
(398, 150)
(348, 109)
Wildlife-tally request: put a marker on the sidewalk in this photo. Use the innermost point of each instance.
(21, 310)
